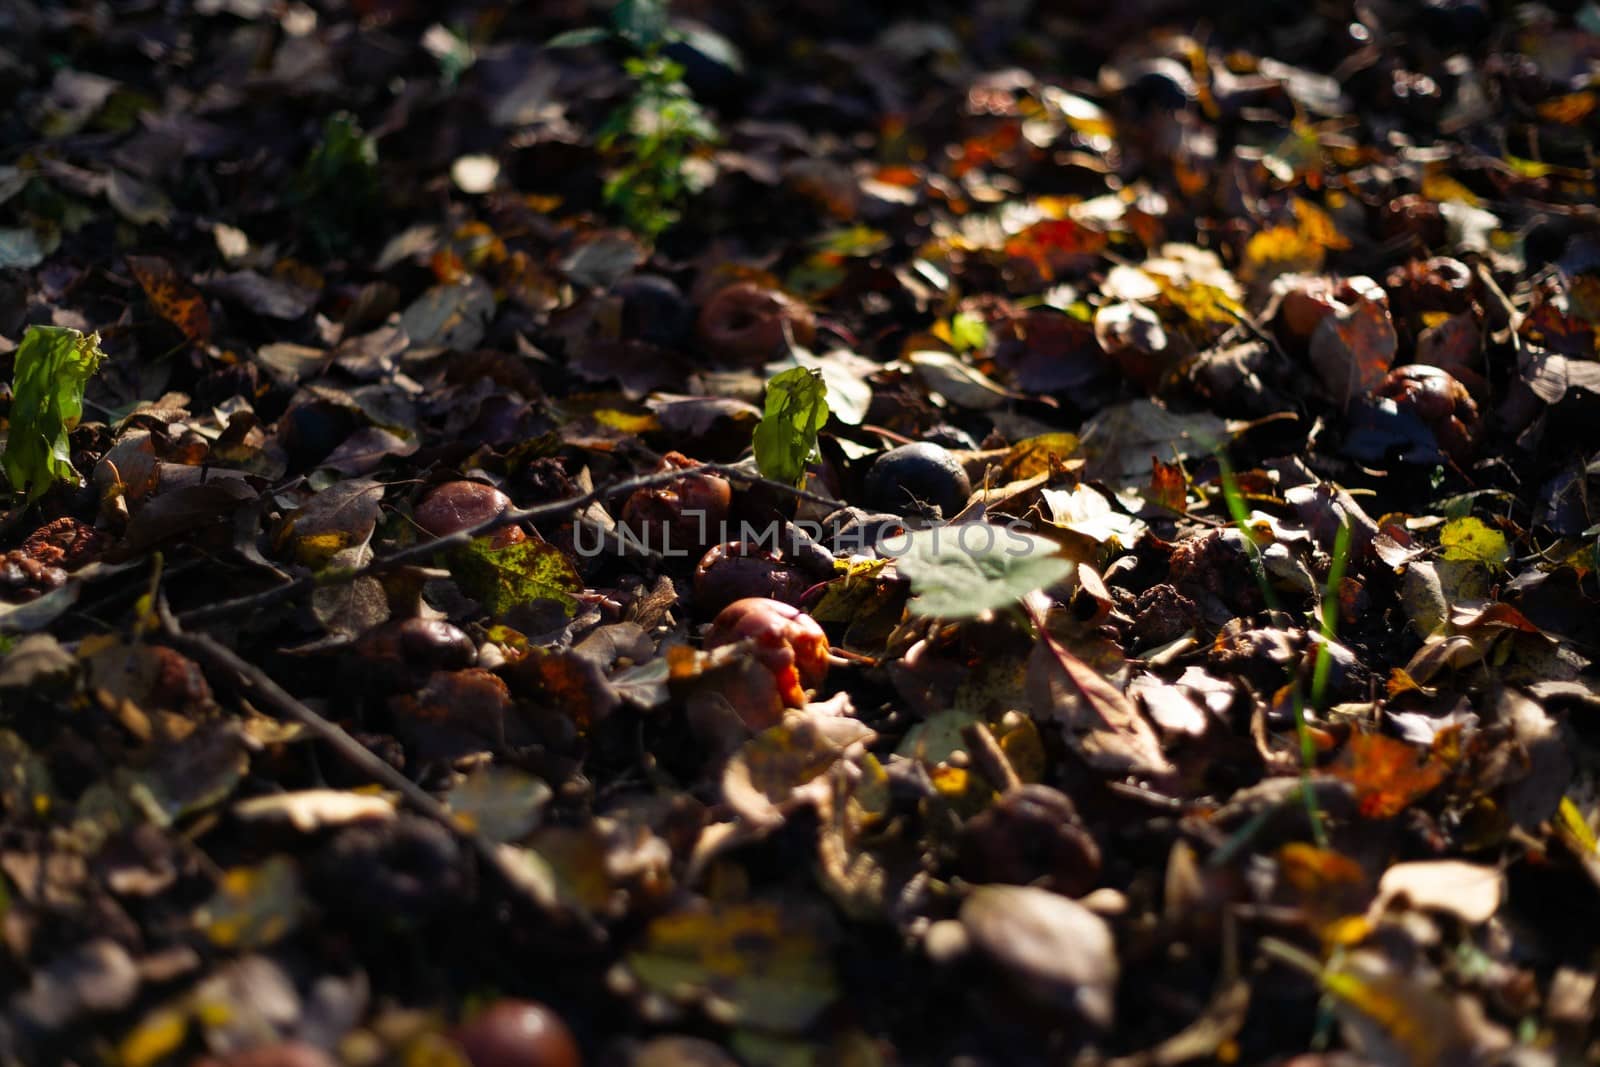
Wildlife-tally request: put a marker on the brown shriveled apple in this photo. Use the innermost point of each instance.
(1441, 402)
(745, 324)
(683, 514)
(1311, 300)
(518, 1033)
(401, 653)
(456, 506)
(788, 643)
(737, 570)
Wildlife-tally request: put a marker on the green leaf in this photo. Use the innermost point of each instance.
(53, 366)
(968, 332)
(578, 38)
(336, 189)
(1474, 541)
(786, 436)
(502, 578)
(960, 572)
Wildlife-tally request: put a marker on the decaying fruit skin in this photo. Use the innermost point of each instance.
(686, 513)
(788, 643)
(41, 562)
(1441, 402)
(744, 324)
(737, 570)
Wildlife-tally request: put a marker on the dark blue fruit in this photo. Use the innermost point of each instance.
(913, 478)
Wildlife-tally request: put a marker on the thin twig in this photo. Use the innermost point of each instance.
(267, 694)
(423, 550)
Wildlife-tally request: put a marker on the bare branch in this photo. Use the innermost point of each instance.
(424, 550)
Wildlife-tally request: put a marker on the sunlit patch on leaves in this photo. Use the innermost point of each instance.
(965, 332)
(1054, 949)
(1279, 250)
(1051, 453)
(1388, 775)
(1091, 519)
(767, 769)
(253, 906)
(1168, 488)
(786, 437)
(760, 963)
(502, 578)
(157, 1036)
(1471, 892)
(960, 572)
(53, 365)
(1353, 347)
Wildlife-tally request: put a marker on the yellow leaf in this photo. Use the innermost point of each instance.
(158, 1035)
(1474, 541)
(1570, 821)
(316, 549)
(1280, 250)
(1317, 226)
(627, 423)
(1442, 187)
(254, 906)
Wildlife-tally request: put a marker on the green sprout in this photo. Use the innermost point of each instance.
(52, 369)
(1308, 749)
(654, 134)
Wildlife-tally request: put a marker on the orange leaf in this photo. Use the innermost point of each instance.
(1388, 775)
(1054, 245)
(1329, 886)
(173, 298)
(1168, 488)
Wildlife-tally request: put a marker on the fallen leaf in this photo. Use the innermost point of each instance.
(1469, 891)
(1097, 719)
(1388, 775)
(1056, 949)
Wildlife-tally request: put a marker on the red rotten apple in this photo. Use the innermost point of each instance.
(788, 643)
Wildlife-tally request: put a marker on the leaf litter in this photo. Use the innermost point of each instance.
(443, 578)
